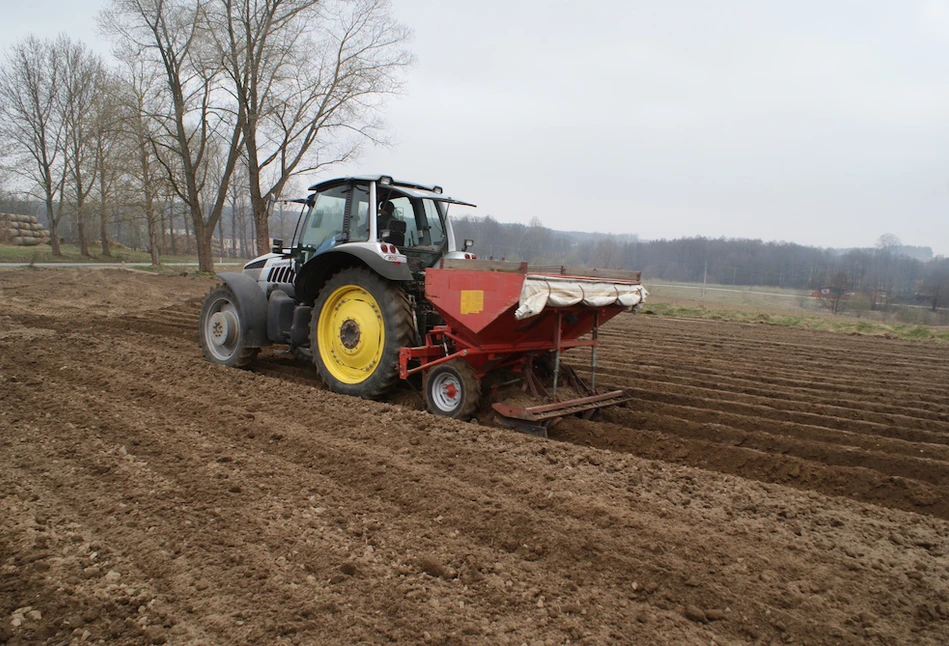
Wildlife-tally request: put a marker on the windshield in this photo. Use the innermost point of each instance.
(324, 226)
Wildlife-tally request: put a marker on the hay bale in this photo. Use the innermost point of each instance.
(22, 230)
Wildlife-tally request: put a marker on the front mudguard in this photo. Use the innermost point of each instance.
(319, 269)
(252, 305)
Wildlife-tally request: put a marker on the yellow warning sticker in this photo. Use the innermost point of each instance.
(472, 301)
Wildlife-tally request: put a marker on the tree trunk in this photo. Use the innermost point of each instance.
(232, 252)
(205, 251)
(81, 229)
(54, 238)
(153, 221)
(261, 224)
(220, 233)
(104, 233)
(53, 235)
(253, 234)
(171, 225)
(153, 241)
(243, 231)
(188, 236)
(161, 227)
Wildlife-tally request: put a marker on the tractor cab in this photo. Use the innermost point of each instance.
(397, 221)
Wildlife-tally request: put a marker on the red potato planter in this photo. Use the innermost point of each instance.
(505, 315)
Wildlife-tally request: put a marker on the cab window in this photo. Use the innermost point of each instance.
(326, 217)
(359, 224)
(423, 226)
(325, 224)
(430, 228)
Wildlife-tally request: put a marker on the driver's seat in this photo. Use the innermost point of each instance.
(396, 232)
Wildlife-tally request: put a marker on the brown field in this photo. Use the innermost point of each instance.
(767, 485)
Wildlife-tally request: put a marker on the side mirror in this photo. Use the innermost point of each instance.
(467, 245)
(277, 245)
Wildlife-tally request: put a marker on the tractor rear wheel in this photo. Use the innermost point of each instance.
(360, 321)
(453, 389)
(221, 330)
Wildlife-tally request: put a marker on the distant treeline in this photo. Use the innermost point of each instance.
(889, 268)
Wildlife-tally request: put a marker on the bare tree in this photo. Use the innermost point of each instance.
(32, 125)
(840, 286)
(144, 172)
(170, 37)
(889, 242)
(112, 152)
(606, 251)
(80, 98)
(936, 284)
(309, 77)
(238, 203)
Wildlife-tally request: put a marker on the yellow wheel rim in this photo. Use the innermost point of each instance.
(351, 334)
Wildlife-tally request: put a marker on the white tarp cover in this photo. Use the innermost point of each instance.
(540, 291)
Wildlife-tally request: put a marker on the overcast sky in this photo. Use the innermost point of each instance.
(823, 123)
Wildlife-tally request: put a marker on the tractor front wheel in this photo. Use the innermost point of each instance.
(222, 336)
(453, 389)
(360, 321)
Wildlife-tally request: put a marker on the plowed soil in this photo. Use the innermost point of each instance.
(766, 485)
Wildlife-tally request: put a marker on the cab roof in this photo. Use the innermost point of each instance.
(411, 189)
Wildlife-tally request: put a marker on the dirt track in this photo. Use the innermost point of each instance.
(768, 486)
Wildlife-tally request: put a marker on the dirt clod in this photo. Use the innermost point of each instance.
(349, 569)
(433, 567)
(694, 613)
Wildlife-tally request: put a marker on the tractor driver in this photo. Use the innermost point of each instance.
(388, 222)
(386, 212)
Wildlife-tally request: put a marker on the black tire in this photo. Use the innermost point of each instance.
(362, 320)
(453, 389)
(221, 330)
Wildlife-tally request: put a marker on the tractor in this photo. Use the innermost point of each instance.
(374, 290)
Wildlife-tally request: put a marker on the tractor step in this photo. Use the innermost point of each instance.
(560, 409)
